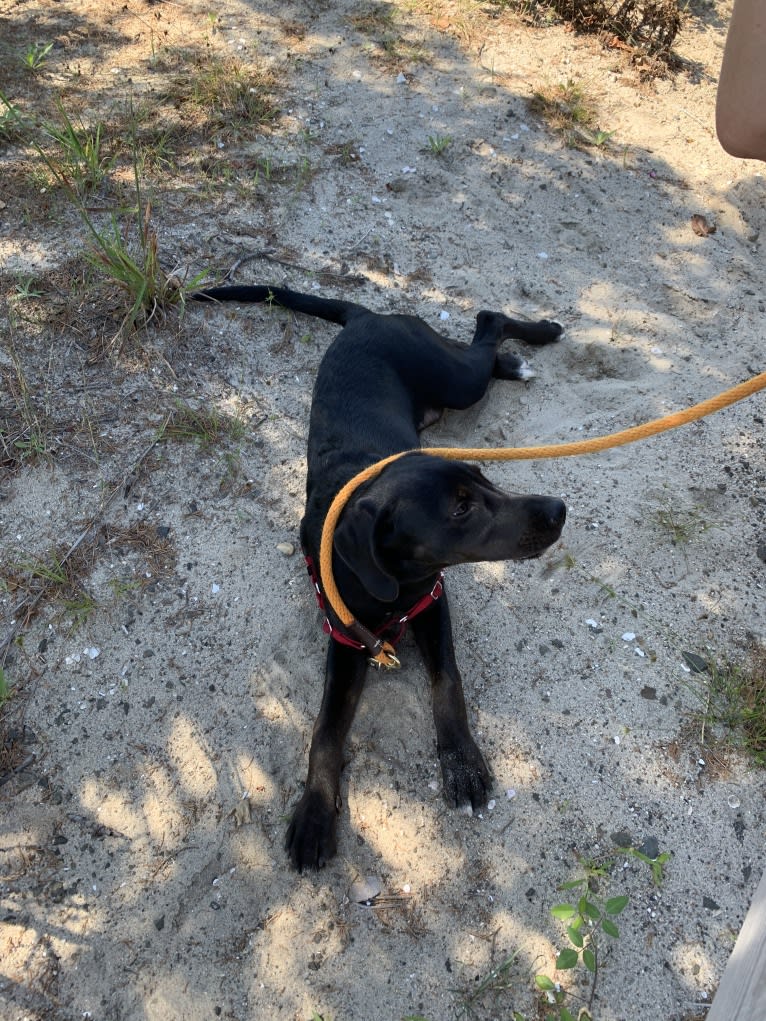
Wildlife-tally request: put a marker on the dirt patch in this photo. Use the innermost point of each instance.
(162, 650)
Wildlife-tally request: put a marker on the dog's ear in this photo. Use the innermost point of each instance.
(354, 542)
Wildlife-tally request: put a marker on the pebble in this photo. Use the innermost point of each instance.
(650, 847)
(286, 547)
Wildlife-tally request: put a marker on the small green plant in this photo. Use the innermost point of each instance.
(51, 570)
(438, 144)
(36, 55)
(25, 289)
(265, 168)
(587, 921)
(122, 588)
(31, 445)
(601, 138)
(656, 865)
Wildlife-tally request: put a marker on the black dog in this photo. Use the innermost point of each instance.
(381, 381)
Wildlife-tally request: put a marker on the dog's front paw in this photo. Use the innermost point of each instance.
(310, 839)
(466, 778)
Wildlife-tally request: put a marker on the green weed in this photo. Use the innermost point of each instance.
(36, 55)
(25, 289)
(81, 162)
(438, 144)
(50, 570)
(587, 920)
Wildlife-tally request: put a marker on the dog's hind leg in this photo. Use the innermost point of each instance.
(465, 776)
(311, 836)
(460, 376)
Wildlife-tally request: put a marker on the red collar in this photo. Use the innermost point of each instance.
(397, 625)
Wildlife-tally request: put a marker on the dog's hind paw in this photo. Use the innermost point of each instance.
(510, 366)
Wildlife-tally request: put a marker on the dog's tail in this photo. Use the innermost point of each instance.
(323, 308)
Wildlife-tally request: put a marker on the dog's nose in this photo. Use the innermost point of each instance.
(552, 513)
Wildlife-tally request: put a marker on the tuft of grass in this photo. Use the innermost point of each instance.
(205, 426)
(571, 112)
(134, 268)
(376, 19)
(438, 144)
(125, 252)
(388, 45)
(225, 92)
(734, 699)
(680, 524)
(80, 162)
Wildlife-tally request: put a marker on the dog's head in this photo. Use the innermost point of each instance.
(424, 513)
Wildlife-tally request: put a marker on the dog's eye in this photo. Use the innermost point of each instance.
(462, 508)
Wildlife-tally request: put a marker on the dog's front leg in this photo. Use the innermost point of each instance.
(465, 775)
(311, 839)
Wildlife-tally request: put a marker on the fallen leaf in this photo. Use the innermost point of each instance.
(701, 227)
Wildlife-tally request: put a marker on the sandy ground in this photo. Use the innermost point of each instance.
(157, 733)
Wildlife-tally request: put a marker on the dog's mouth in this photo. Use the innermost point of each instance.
(533, 548)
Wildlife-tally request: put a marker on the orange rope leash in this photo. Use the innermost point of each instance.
(385, 656)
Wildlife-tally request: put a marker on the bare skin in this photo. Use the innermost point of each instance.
(741, 101)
